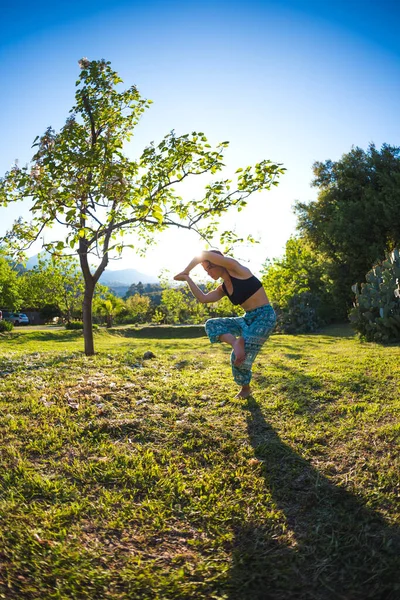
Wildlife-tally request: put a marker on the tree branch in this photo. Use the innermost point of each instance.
(86, 104)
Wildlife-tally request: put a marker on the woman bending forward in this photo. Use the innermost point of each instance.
(245, 334)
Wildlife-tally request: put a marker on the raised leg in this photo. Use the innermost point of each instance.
(237, 345)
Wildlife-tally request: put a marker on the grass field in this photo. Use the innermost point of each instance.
(145, 479)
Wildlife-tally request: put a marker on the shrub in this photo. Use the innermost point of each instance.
(376, 312)
(300, 315)
(6, 326)
(78, 325)
(302, 284)
(74, 325)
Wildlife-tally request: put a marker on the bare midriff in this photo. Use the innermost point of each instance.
(259, 298)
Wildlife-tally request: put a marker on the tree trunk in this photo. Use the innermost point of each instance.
(90, 283)
(87, 318)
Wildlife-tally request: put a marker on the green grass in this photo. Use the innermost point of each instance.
(145, 479)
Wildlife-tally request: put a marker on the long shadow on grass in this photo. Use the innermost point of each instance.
(305, 390)
(339, 550)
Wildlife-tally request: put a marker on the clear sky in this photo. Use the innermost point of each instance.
(293, 81)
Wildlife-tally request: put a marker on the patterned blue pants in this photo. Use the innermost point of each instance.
(255, 327)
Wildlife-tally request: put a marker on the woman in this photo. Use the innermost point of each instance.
(246, 334)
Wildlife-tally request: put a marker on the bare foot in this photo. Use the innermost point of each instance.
(245, 392)
(238, 348)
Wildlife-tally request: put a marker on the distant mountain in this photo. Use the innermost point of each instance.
(118, 280)
(32, 262)
(126, 277)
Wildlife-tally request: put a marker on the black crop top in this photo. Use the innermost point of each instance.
(242, 289)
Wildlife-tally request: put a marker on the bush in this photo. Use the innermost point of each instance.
(302, 284)
(376, 312)
(78, 325)
(6, 326)
(74, 325)
(300, 315)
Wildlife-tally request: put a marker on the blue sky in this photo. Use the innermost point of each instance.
(294, 81)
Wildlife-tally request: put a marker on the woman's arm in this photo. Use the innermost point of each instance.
(213, 296)
(217, 259)
(193, 263)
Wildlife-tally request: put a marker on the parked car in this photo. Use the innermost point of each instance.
(16, 318)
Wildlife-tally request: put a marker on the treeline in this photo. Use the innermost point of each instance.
(344, 260)
(55, 288)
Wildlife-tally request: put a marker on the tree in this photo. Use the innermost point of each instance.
(110, 307)
(9, 286)
(54, 284)
(179, 306)
(300, 270)
(138, 308)
(80, 179)
(140, 288)
(300, 287)
(132, 290)
(356, 218)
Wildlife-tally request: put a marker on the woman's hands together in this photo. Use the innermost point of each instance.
(183, 276)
